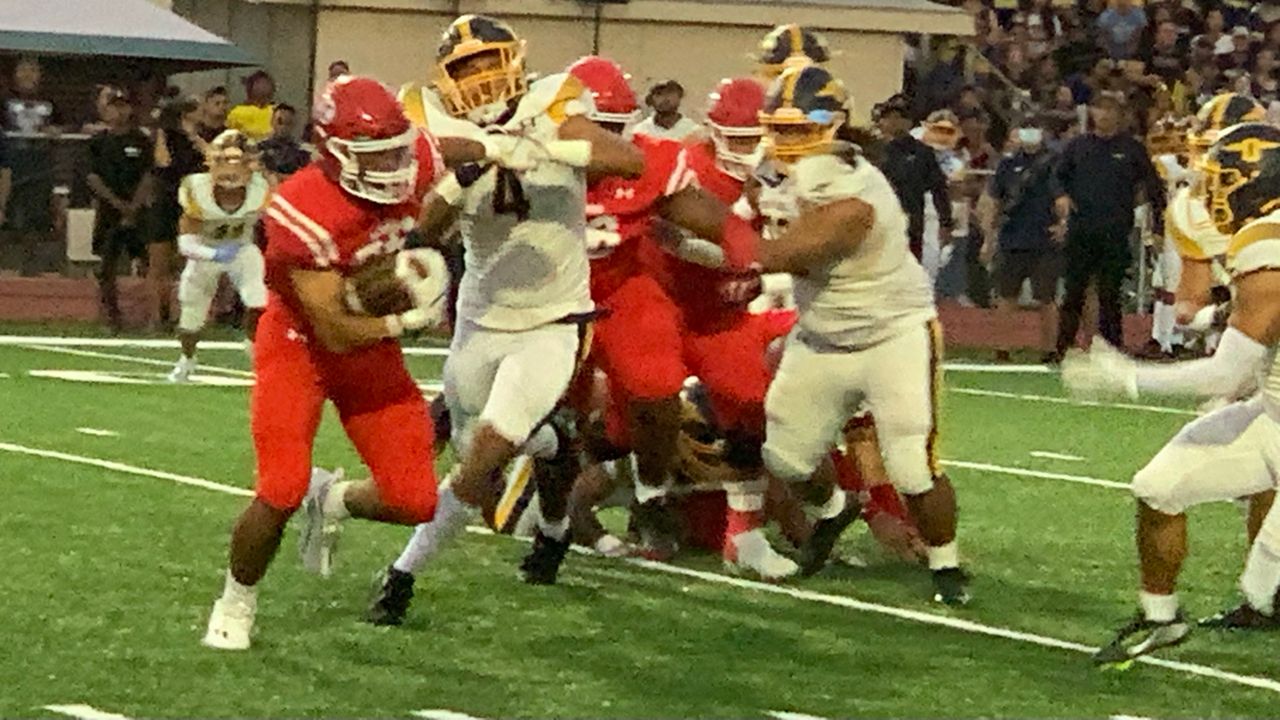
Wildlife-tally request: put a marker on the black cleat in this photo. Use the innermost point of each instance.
(542, 564)
(390, 602)
(1141, 637)
(1244, 617)
(951, 587)
(657, 530)
(817, 550)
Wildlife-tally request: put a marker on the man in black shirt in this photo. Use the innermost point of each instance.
(282, 156)
(120, 163)
(6, 178)
(1099, 176)
(912, 169)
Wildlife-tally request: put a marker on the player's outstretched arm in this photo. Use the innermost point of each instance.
(1194, 286)
(606, 153)
(704, 215)
(458, 151)
(339, 330)
(818, 235)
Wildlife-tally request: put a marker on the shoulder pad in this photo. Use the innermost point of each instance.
(1256, 246)
(559, 97)
(820, 179)
(191, 194)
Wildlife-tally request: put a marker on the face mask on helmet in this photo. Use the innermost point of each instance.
(804, 110)
(736, 149)
(734, 122)
(382, 171)
(1242, 176)
(231, 159)
(479, 80)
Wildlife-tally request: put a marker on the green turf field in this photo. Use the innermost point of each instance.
(119, 499)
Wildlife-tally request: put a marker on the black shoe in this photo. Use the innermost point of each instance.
(394, 591)
(1243, 617)
(817, 550)
(542, 564)
(951, 587)
(657, 530)
(1142, 637)
(1053, 358)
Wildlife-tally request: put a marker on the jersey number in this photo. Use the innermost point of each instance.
(225, 232)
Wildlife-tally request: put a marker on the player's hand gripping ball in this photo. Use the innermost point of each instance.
(376, 289)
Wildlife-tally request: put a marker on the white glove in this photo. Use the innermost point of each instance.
(424, 272)
(1101, 372)
(513, 152)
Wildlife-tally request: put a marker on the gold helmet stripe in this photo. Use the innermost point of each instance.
(797, 39)
(1220, 104)
(464, 29)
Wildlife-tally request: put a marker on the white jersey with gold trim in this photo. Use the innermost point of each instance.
(218, 226)
(873, 294)
(1189, 225)
(1257, 247)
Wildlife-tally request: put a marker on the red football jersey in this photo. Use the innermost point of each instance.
(620, 212)
(311, 223)
(693, 286)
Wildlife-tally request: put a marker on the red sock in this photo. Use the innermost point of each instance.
(847, 475)
(736, 523)
(885, 499)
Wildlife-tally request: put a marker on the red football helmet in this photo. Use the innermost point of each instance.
(734, 118)
(366, 143)
(615, 101)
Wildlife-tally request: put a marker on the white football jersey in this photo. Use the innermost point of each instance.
(1257, 247)
(872, 294)
(422, 106)
(218, 226)
(530, 271)
(1189, 225)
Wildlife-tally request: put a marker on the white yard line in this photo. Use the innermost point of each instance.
(796, 593)
(160, 344)
(1023, 472)
(1068, 401)
(84, 712)
(133, 359)
(785, 715)
(1047, 455)
(97, 432)
(443, 715)
(999, 369)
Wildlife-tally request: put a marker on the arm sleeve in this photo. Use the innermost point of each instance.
(191, 247)
(1224, 374)
(938, 190)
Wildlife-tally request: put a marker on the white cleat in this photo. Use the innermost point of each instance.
(183, 371)
(320, 533)
(230, 625)
(752, 554)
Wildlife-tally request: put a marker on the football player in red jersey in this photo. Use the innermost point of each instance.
(639, 339)
(358, 201)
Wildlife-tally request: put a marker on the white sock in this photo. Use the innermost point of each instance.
(944, 556)
(1160, 608)
(833, 506)
(556, 530)
(1164, 326)
(430, 538)
(1261, 578)
(335, 503)
(234, 592)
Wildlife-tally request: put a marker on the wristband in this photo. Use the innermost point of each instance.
(576, 153)
(449, 190)
(395, 328)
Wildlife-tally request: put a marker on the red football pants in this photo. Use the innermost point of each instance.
(380, 406)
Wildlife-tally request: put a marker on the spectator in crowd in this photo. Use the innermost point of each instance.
(214, 113)
(1120, 27)
(1099, 178)
(253, 118)
(27, 112)
(1023, 231)
(913, 170)
(6, 178)
(666, 120)
(981, 158)
(101, 107)
(337, 69)
(1236, 62)
(1214, 34)
(179, 152)
(120, 163)
(1265, 86)
(282, 154)
(1166, 58)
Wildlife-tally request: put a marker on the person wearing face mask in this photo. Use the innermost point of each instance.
(1024, 232)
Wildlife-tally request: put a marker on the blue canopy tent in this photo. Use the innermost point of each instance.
(134, 30)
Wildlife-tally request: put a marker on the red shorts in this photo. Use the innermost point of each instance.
(381, 409)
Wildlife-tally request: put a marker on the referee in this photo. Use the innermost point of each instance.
(1099, 176)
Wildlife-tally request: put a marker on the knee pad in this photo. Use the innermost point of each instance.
(906, 460)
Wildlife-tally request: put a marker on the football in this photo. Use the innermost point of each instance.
(374, 289)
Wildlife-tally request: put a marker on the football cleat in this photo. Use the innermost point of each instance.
(817, 549)
(951, 587)
(230, 625)
(656, 528)
(392, 595)
(1244, 617)
(1141, 637)
(542, 564)
(183, 370)
(320, 533)
(750, 553)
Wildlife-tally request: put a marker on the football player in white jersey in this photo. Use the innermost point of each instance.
(1232, 452)
(524, 305)
(868, 334)
(220, 210)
